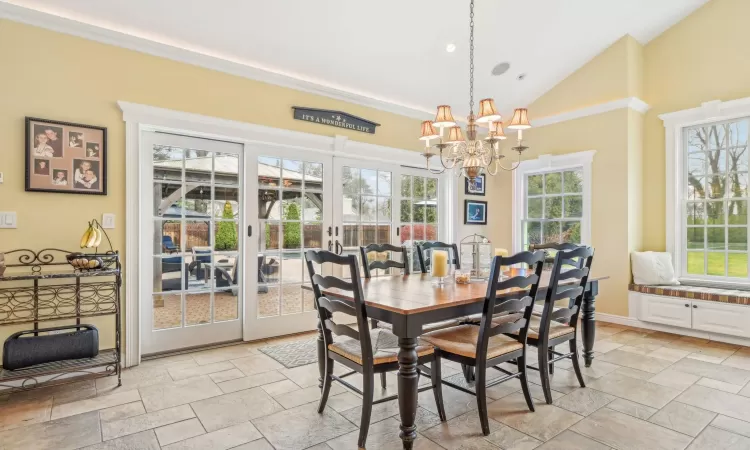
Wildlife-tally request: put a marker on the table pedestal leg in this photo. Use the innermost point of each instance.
(588, 324)
(408, 381)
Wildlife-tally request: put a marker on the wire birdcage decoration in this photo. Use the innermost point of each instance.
(476, 256)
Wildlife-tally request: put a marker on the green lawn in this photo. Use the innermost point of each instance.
(737, 264)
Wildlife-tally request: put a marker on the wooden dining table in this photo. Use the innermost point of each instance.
(408, 302)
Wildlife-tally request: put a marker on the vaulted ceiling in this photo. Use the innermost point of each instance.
(391, 50)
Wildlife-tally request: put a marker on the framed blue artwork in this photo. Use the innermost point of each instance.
(475, 212)
(475, 188)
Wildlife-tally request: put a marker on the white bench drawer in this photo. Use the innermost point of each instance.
(721, 318)
(665, 310)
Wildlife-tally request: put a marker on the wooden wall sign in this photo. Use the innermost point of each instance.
(335, 119)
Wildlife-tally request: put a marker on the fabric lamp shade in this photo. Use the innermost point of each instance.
(520, 120)
(444, 117)
(496, 131)
(455, 135)
(428, 131)
(487, 111)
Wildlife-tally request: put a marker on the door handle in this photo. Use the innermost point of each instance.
(249, 231)
(330, 245)
(339, 248)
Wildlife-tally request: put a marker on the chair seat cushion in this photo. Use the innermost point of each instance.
(462, 340)
(556, 329)
(429, 327)
(384, 347)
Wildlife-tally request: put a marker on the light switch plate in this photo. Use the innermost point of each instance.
(8, 219)
(108, 220)
(1, 178)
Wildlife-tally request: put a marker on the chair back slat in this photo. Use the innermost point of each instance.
(509, 327)
(557, 247)
(563, 314)
(512, 305)
(566, 284)
(327, 282)
(334, 305)
(574, 273)
(512, 314)
(520, 282)
(567, 292)
(384, 264)
(425, 249)
(326, 305)
(342, 330)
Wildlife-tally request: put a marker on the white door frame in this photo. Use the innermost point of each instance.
(139, 118)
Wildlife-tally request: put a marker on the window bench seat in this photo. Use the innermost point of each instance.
(732, 296)
(713, 310)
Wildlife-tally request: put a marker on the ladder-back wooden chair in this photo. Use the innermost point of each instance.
(491, 343)
(370, 265)
(363, 350)
(559, 324)
(424, 254)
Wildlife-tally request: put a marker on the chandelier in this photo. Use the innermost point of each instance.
(472, 156)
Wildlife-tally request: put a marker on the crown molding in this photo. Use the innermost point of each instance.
(188, 56)
(634, 103)
(712, 111)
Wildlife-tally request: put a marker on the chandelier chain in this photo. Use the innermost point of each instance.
(471, 57)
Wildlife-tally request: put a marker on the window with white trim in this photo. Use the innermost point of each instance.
(714, 194)
(553, 197)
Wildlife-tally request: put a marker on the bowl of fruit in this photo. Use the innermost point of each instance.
(85, 262)
(91, 238)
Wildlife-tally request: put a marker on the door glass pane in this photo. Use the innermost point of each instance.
(198, 308)
(167, 163)
(292, 174)
(225, 304)
(167, 311)
(269, 172)
(227, 168)
(196, 215)
(291, 218)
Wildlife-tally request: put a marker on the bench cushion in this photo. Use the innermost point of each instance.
(732, 296)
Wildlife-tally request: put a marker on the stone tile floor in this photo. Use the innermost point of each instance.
(646, 390)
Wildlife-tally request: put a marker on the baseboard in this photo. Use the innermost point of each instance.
(635, 323)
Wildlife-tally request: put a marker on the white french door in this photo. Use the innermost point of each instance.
(226, 226)
(192, 209)
(290, 210)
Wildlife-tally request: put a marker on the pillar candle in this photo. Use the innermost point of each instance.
(439, 263)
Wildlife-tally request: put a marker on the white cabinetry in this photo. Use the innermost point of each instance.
(721, 318)
(712, 317)
(666, 310)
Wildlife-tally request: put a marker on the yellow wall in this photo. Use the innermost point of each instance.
(608, 135)
(51, 75)
(616, 137)
(612, 75)
(700, 59)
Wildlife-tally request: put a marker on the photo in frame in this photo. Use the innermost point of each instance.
(475, 212)
(475, 188)
(65, 157)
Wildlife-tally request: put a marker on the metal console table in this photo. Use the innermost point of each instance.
(42, 287)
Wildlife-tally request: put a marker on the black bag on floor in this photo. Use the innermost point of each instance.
(21, 350)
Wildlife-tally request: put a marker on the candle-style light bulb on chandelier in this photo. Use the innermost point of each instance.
(470, 155)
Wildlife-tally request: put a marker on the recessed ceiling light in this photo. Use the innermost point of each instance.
(500, 68)
(450, 48)
(521, 77)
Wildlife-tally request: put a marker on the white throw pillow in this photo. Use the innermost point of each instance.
(653, 268)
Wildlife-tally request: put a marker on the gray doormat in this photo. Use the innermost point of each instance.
(294, 354)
